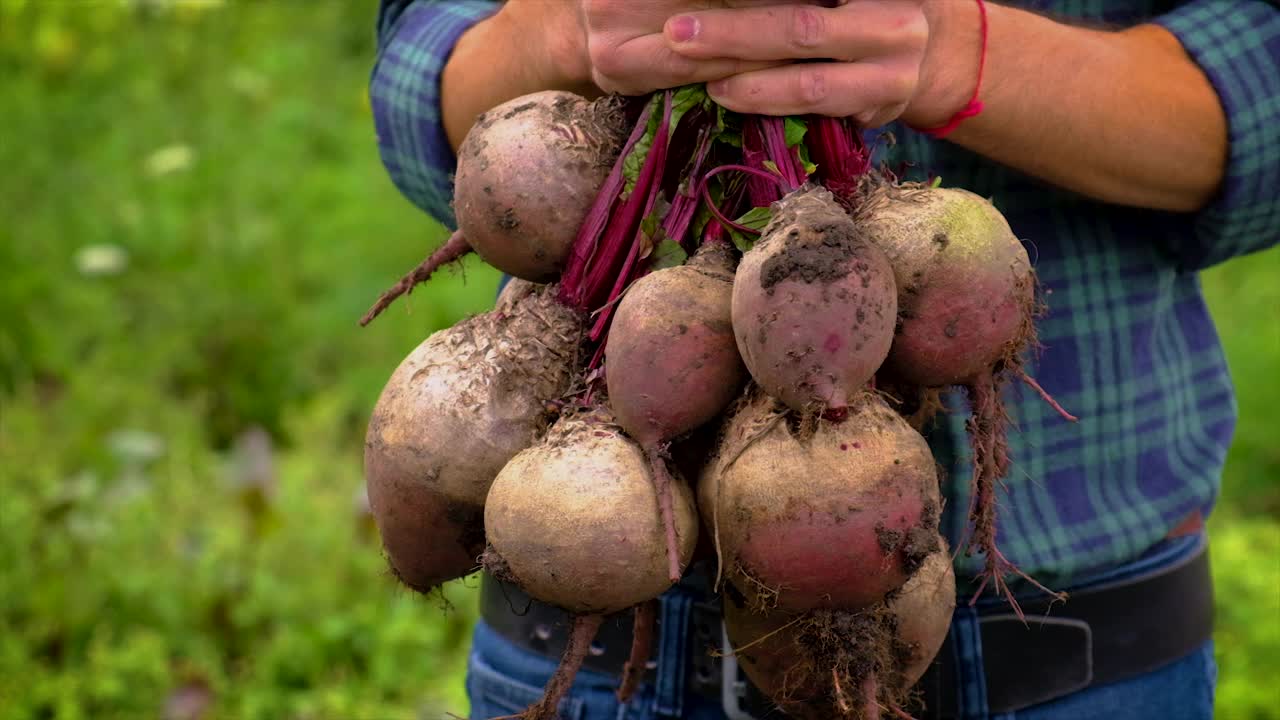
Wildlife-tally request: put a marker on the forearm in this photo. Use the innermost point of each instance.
(1123, 117)
(521, 49)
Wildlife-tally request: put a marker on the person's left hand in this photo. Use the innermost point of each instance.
(863, 57)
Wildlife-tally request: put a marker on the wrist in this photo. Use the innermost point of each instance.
(949, 72)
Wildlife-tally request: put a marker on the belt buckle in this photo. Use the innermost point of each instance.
(733, 685)
(739, 699)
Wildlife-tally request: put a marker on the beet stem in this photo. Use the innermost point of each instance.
(455, 247)
(1024, 377)
(666, 505)
(641, 648)
(581, 634)
(593, 226)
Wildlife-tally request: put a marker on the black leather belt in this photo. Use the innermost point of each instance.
(1101, 635)
(1098, 636)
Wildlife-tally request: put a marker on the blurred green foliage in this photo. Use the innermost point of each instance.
(195, 217)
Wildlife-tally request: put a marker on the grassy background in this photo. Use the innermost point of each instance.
(194, 217)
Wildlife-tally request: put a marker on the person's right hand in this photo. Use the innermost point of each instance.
(618, 46)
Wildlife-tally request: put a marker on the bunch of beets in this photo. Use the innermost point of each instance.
(682, 272)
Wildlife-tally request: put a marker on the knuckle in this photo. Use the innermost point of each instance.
(913, 32)
(807, 28)
(681, 69)
(811, 86)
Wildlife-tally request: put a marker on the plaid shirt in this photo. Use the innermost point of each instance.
(1129, 345)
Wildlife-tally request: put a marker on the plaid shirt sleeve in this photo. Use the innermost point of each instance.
(415, 38)
(1237, 44)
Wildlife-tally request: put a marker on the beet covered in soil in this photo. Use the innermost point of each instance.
(814, 304)
(842, 664)
(460, 406)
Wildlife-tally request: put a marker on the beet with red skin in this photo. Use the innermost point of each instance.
(966, 290)
(966, 308)
(672, 363)
(819, 514)
(814, 304)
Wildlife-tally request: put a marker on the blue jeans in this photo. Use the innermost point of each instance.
(503, 679)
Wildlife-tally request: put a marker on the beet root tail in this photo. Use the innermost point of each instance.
(870, 706)
(641, 649)
(988, 433)
(1044, 395)
(666, 505)
(582, 633)
(455, 247)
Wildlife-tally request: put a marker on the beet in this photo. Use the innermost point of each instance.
(966, 291)
(528, 170)
(574, 519)
(833, 663)
(461, 405)
(671, 362)
(819, 514)
(966, 307)
(814, 304)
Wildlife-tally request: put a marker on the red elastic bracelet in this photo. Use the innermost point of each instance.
(975, 105)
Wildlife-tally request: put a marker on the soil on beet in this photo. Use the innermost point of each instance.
(834, 253)
(843, 654)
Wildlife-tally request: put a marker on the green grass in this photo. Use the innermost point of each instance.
(195, 218)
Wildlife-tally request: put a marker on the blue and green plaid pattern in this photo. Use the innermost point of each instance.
(1129, 345)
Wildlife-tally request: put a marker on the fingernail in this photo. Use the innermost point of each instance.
(718, 87)
(684, 28)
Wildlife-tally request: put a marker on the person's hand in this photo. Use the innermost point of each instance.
(618, 45)
(862, 59)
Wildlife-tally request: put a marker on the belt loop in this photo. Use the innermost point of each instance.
(672, 654)
(971, 681)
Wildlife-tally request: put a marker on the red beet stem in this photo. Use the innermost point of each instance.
(455, 247)
(1024, 377)
(685, 205)
(641, 648)
(754, 154)
(597, 278)
(583, 632)
(787, 160)
(598, 217)
(666, 505)
(841, 156)
(604, 271)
